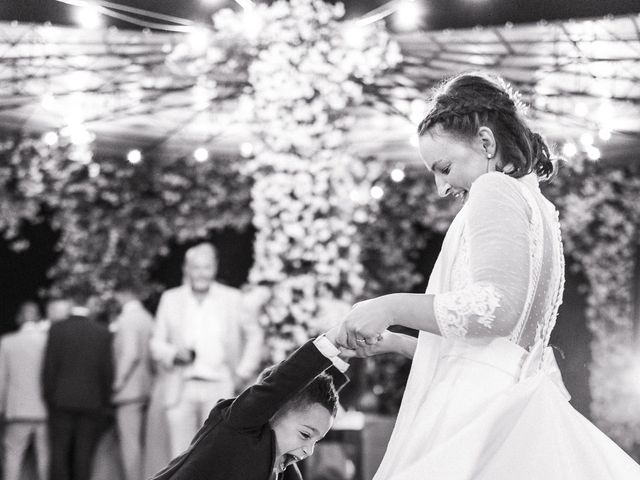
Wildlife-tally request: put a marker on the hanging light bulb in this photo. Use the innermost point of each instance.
(376, 192)
(88, 16)
(407, 15)
(593, 153)
(134, 156)
(246, 149)
(605, 134)
(201, 154)
(50, 138)
(397, 175)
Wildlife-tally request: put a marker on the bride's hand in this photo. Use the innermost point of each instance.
(364, 324)
(385, 344)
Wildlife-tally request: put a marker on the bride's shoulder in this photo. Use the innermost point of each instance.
(496, 185)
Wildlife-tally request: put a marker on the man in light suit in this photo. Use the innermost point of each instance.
(133, 375)
(21, 402)
(198, 342)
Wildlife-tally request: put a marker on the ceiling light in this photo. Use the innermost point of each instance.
(134, 156)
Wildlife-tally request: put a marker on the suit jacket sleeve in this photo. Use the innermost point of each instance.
(4, 377)
(50, 367)
(162, 350)
(129, 352)
(339, 378)
(256, 405)
(107, 369)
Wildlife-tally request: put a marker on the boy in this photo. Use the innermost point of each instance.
(271, 425)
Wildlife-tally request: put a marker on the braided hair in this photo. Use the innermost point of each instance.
(463, 104)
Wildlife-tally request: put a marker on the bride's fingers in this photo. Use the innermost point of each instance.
(341, 337)
(347, 353)
(354, 339)
(372, 340)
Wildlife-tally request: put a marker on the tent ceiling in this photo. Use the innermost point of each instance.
(576, 76)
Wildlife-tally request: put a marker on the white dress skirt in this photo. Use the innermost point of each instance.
(490, 413)
(479, 406)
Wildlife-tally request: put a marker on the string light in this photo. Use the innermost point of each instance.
(246, 149)
(604, 134)
(201, 154)
(586, 139)
(407, 15)
(50, 138)
(376, 192)
(88, 16)
(397, 175)
(198, 39)
(78, 134)
(593, 153)
(134, 156)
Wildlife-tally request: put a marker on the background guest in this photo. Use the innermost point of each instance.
(21, 402)
(133, 375)
(198, 343)
(77, 381)
(56, 309)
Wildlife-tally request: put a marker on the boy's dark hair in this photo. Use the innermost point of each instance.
(321, 390)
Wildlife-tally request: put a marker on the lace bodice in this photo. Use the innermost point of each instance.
(507, 275)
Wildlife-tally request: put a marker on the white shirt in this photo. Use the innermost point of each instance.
(204, 334)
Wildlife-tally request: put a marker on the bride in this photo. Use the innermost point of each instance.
(485, 399)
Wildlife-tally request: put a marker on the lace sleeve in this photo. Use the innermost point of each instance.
(497, 231)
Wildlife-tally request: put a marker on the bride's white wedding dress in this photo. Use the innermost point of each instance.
(485, 401)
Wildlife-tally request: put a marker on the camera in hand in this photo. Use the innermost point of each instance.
(185, 357)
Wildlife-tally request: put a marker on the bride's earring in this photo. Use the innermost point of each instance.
(489, 157)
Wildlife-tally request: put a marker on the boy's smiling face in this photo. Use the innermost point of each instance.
(297, 431)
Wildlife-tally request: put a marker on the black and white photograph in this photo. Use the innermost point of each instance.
(319, 240)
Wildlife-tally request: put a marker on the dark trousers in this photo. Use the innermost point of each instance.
(74, 437)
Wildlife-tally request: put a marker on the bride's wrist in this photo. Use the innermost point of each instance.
(389, 307)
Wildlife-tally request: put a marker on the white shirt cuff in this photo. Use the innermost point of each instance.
(329, 350)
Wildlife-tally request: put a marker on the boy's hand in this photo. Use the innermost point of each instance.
(332, 335)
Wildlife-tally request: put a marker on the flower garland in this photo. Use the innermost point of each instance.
(305, 77)
(601, 223)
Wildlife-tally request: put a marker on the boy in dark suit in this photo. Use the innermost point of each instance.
(271, 425)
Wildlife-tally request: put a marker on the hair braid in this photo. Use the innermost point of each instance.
(465, 103)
